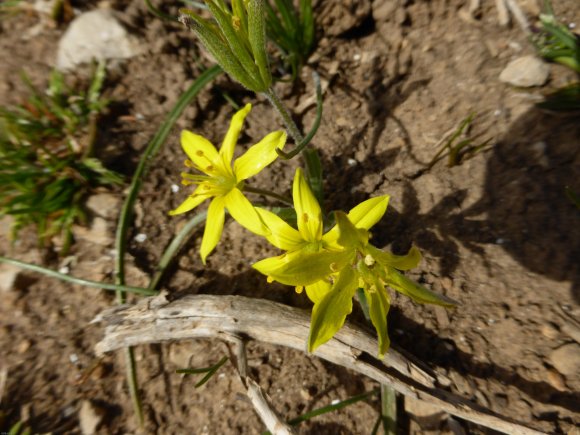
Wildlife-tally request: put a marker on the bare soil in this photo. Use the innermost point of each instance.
(497, 231)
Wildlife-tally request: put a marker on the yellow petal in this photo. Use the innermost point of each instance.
(259, 156)
(364, 215)
(350, 236)
(329, 314)
(199, 150)
(244, 212)
(308, 213)
(282, 235)
(369, 212)
(214, 226)
(379, 304)
(231, 139)
(318, 290)
(189, 204)
(302, 268)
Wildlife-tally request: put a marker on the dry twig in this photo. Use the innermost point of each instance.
(259, 399)
(228, 318)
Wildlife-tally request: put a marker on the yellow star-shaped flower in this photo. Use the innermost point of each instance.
(223, 182)
(332, 266)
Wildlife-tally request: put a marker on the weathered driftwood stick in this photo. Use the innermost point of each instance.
(257, 397)
(155, 320)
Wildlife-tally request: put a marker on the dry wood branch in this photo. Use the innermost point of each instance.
(259, 399)
(228, 318)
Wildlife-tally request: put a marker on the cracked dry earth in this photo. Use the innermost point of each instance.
(497, 231)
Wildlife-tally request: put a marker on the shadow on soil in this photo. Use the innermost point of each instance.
(525, 207)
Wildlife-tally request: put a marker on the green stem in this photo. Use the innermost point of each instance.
(174, 246)
(389, 409)
(131, 371)
(269, 193)
(80, 281)
(286, 117)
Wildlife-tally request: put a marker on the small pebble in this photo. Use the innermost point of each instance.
(305, 394)
(23, 346)
(174, 188)
(140, 238)
(64, 269)
(525, 72)
(90, 416)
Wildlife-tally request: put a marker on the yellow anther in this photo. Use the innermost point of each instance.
(305, 217)
(199, 153)
(269, 280)
(189, 164)
(210, 168)
(369, 260)
(361, 283)
(333, 267)
(236, 22)
(299, 289)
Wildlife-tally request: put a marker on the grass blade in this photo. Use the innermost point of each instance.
(210, 371)
(174, 246)
(79, 281)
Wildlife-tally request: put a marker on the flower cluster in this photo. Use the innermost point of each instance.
(329, 266)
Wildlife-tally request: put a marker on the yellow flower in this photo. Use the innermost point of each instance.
(223, 182)
(308, 239)
(334, 265)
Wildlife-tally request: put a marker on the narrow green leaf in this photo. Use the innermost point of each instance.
(210, 371)
(222, 53)
(257, 36)
(416, 291)
(235, 42)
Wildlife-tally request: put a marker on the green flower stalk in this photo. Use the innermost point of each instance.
(237, 39)
(334, 265)
(223, 182)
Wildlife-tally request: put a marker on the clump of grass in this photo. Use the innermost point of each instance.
(46, 157)
(458, 146)
(9, 7)
(556, 43)
(291, 29)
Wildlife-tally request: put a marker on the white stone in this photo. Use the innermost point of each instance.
(89, 417)
(8, 275)
(94, 35)
(105, 205)
(525, 72)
